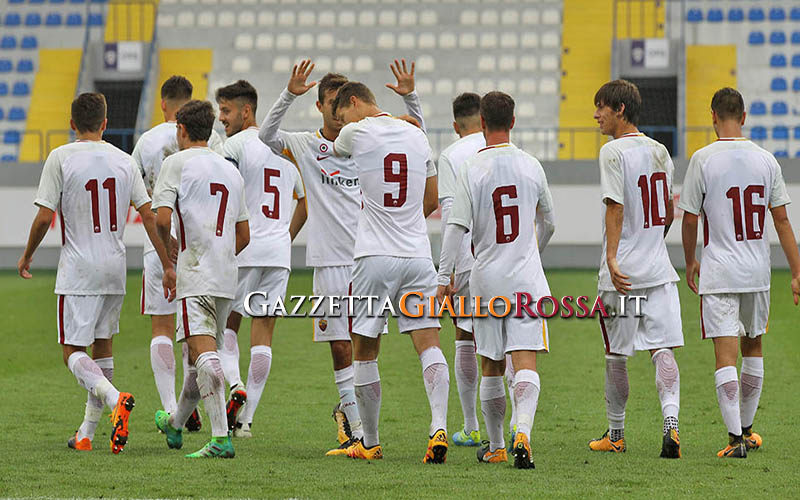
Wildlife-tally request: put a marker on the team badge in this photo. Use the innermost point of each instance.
(323, 148)
(323, 324)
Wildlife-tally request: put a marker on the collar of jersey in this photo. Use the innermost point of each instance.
(382, 113)
(632, 134)
(732, 139)
(494, 146)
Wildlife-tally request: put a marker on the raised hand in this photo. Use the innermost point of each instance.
(300, 72)
(405, 78)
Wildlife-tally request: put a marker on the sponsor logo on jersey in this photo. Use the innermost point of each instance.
(335, 179)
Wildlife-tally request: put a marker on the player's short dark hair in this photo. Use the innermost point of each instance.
(352, 89)
(89, 111)
(615, 94)
(198, 118)
(331, 81)
(177, 88)
(728, 104)
(242, 91)
(466, 105)
(497, 110)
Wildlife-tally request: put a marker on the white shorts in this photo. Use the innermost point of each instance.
(391, 277)
(332, 281)
(84, 318)
(494, 337)
(271, 281)
(659, 326)
(152, 298)
(461, 283)
(202, 315)
(734, 314)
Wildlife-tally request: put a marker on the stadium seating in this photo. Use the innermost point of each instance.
(11, 137)
(2, 114)
(12, 19)
(756, 38)
(758, 133)
(777, 61)
(779, 108)
(780, 132)
(29, 42)
(778, 84)
(755, 14)
(16, 114)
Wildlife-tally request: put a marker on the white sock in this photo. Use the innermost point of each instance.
(436, 376)
(347, 399)
(510, 382)
(211, 382)
(668, 383)
(260, 364)
(229, 357)
(367, 388)
(616, 392)
(493, 408)
(94, 406)
(466, 370)
(162, 360)
(751, 380)
(526, 392)
(190, 396)
(727, 382)
(91, 378)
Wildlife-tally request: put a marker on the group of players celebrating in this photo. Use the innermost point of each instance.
(220, 226)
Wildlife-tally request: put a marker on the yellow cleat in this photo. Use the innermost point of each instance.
(358, 450)
(485, 455)
(343, 434)
(341, 449)
(752, 441)
(605, 443)
(522, 452)
(437, 448)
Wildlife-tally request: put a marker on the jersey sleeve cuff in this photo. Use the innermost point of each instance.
(613, 197)
(687, 208)
(46, 204)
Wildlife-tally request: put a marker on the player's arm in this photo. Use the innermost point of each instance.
(48, 198)
(545, 214)
(298, 218)
(405, 88)
(430, 201)
(689, 235)
(614, 218)
(270, 133)
(786, 236)
(670, 216)
(242, 235)
(691, 202)
(451, 244)
(163, 225)
(39, 227)
(149, 223)
(343, 145)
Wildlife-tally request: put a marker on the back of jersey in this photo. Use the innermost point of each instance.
(637, 171)
(393, 160)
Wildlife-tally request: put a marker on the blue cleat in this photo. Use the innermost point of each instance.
(461, 438)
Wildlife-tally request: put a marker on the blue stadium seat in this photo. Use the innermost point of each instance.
(694, 15)
(21, 89)
(29, 42)
(758, 108)
(3, 89)
(797, 154)
(8, 158)
(98, 1)
(97, 20)
(2, 115)
(735, 15)
(11, 137)
(714, 16)
(797, 132)
(76, 1)
(796, 38)
(13, 19)
(35, 1)
(796, 85)
(778, 84)
(755, 14)
(758, 133)
(777, 38)
(777, 14)
(8, 42)
(796, 61)
(16, 1)
(33, 19)
(74, 19)
(756, 38)
(56, 1)
(17, 114)
(24, 66)
(781, 153)
(53, 19)
(777, 61)
(779, 132)
(6, 66)
(794, 15)
(779, 108)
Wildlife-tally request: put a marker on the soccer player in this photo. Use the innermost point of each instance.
(506, 239)
(333, 202)
(392, 256)
(206, 192)
(270, 184)
(91, 184)
(732, 182)
(151, 149)
(636, 184)
(467, 124)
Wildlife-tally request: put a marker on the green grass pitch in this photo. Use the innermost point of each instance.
(41, 405)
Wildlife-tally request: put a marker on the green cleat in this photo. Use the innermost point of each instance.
(218, 447)
(461, 438)
(174, 436)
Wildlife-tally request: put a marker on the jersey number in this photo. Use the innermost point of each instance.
(401, 177)
(750, 209)
(275, 213)
(110, 185)
(652, 214)
(501, 211)
(223, 204)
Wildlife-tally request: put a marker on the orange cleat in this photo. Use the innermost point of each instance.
(604, 443)
(84, 444)
(119, 421)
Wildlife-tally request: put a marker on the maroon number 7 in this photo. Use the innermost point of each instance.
(216, 187)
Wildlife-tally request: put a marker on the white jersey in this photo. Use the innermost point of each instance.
(450, 164)
(270, 184)
(496, 199)
(151, 149)
(206, 192)
(393, 160)
(92, 184)
(636, 172)
(733, 182)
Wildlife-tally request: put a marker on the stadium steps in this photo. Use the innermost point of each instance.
(194, 64)
(708, 68)
(586, 65)
(130, 22)
(53, 90)
(641, 19)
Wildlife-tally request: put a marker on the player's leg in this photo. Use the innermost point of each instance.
(229, 353)
(490, 345)
(261, 330)
(102, 355)
(526, 394)
(367, 387)
(466, 368)
(754, 314)
(512, 422)
(346, 413)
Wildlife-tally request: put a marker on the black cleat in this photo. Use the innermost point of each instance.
(235, 403)
(194, 423)
(671, 446)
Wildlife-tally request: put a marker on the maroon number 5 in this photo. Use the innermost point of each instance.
(750, 209)
(650, 198)
(110, 185)
(501, 211)
(275, 213)
(401, 177)
(223, 203)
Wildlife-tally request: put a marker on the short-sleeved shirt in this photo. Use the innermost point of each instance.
(92, 184)
(206, 192)
(497, 196)
(733, 182)
(270, 183)
(153, 146)
(450, 164)
(393, 161)
(636, 172)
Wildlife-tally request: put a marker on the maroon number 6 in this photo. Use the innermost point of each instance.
(500, 211)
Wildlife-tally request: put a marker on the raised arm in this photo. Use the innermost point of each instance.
(405, 88)
(270, 133)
